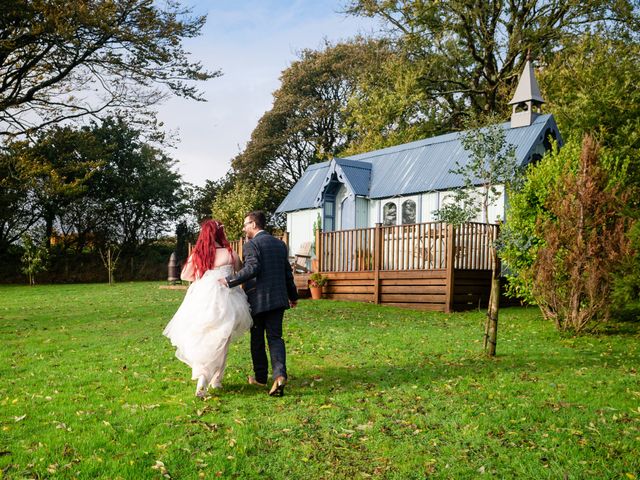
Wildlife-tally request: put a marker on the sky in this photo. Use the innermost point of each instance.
(251, 42)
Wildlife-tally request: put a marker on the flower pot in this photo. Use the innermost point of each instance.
(316, 292)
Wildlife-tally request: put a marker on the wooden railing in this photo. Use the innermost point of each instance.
(423, 246)
(236, 245)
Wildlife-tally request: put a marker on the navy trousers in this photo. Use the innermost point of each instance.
(269, 322)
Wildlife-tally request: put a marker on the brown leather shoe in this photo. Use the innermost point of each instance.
(277, 389)
(253, 381)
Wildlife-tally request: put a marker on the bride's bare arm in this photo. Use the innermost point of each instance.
(237, 263)
(188, 273)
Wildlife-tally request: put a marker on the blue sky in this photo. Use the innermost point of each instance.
(251, 41)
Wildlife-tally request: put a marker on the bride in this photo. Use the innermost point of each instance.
(211, 315)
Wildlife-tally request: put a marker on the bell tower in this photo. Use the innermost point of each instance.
(527, 99)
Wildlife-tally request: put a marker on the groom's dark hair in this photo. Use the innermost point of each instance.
(258, 217)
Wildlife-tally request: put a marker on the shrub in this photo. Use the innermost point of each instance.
(585, 242)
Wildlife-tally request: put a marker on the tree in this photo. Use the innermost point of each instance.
(590, 85)
(57, 167)
(491, 163)
(184, 236)
(19, 212)
(204, 197)
(232, 208)
(140, 191)
(585, 241)
(520, 239)
(61, 60)
(460, 59)
(307, 120)
(34, 259)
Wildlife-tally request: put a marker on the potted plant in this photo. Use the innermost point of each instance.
(316, 282)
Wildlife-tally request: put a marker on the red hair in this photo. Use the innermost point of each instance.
(204, 252)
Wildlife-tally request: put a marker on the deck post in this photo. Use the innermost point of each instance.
(240, 252)
(285, 239)
(319, 249)
(377, 261)
(448, 302)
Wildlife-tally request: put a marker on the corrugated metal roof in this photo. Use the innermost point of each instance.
(304, 192)
(358, 175)
(415, 167)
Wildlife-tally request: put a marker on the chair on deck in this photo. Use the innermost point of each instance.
(299, 263)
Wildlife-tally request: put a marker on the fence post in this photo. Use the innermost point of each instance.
(319, 249)
(451, 238)
(377, 261)
(240, 244)
(285, 239)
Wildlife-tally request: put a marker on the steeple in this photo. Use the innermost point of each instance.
(526, 99)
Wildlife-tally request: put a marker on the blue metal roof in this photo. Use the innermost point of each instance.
(416, 167)
(358, 174)
(304, 192)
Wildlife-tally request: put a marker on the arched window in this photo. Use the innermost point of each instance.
(408, 212)
(389, 214)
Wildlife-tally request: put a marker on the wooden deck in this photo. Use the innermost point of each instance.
(428, 266)
(417, 290)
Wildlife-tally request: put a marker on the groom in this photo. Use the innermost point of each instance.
(268, 283)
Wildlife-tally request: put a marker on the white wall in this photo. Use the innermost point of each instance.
(300, 227)
(430, 202)
(496, 209)
(300, 223)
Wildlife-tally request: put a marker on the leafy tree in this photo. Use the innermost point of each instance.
(585, 241)
(307, 120)
(57, 167)
(140, 191)
(591, 85)
(460, 59)
(390, 107)
(626, 284)
(184, 235)
(490, 165)
(204, 197)
(231, 208)
(34, 258)
(520, 239)
(19, 211)
(61, 60)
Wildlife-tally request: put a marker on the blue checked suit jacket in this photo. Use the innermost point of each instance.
(266, 274)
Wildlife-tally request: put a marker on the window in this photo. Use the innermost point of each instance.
(329, 213)
(408, 212)
(389, 213)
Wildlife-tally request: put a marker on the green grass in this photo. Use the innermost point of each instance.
(89, 388)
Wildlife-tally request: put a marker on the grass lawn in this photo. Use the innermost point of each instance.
(89, 388)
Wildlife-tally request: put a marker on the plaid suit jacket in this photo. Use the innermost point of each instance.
(266, 275)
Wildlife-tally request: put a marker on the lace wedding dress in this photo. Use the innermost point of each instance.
(210, 317)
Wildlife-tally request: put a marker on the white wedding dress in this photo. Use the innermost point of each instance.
(210, 317)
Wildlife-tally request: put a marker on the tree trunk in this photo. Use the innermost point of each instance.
(491, 327)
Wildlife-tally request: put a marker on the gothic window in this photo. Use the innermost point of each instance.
(389, 213)
(408, 212)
